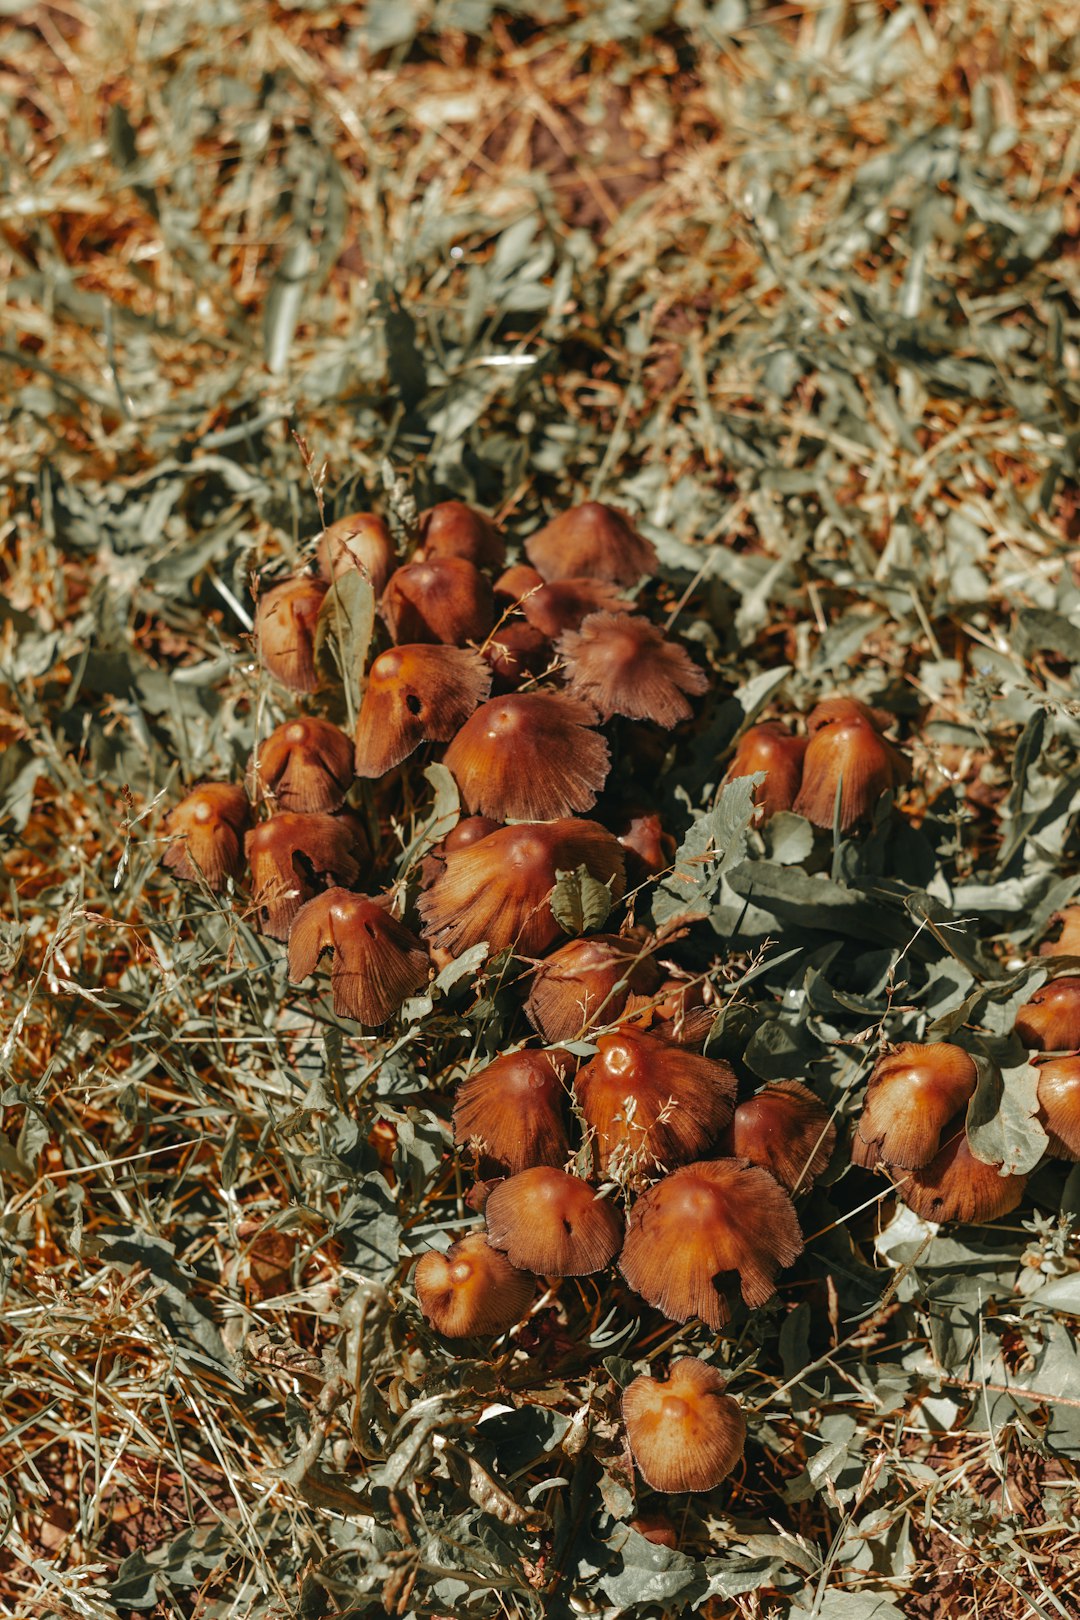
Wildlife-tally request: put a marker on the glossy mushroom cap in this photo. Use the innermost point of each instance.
(652, 1105)
(593, 541)
(1066, 940)
(705, 1229)
(1050, 1021)
(576, 985)
(515, 1109)
(956, 1186)
(621, 664)
(207, 832)
(771, 748)
(655, 1527)
(517, 581)
(1059, 1104)
(285, 621)
(444, 600)
(414, 695)
(453, 529)
(499, 889)
(529, 756)
(360, 541)
(565, 603)
(305, 765)
(650, 850)
(293, 857)
(472, 1288)
(516, 651)
(378, 962)
(912, 1095)
(684, 1432)
(786, 1130)
(846, 744)
(553, 1224)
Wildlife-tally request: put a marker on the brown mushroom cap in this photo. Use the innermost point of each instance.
(593, 541)
(650, 1104)
(361, 540)
(786, 1130)
(622, 664)
(305, 764)
(846, 743)
(529, 756)
(771, 748)
(956, 1186)
(576, 984)
(515, 1108)
(414, 695)
(378, 962)
(452, 529)
(1059, 1104)
(472, 1288)
(469, 830)
(912, 1095)
(641, 833)
(515, 651)
(446, 599)
(498, 890)
(293, 857)
(1066, 941)
(563, 604)
(693, 1233)
(285, 621)
(207, 831)
(684, 1432)
(655, 1527)
(552, 1223)
(1050, 1021)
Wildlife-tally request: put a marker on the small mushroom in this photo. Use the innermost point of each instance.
(206, 830)
(592, 541)
(576, 984)
(445, 600)
(561, 605)
(377, 963)
(621, 664)
(452, 529)
(651, 1105)
(1050, 1021)
(786, 1130)
(684, 1432)
(293, 857)
(956, 1186)
(551, 1223)
(1066, 940)
(1059, 1104)
(360, 541)
(846, 751)
(771, 748)
(516, 651)
(529, 756)
(285, 622)
(912, 1095)
(471, 1289)
(650, 849)
(469, 830)
(515, 1109)
(416, 694)
(305, 765)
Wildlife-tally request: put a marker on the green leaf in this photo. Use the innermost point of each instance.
(1002, 1123)
(343, 633)
(715, 845)
(580, 902)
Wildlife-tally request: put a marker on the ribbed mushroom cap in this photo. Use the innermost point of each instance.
(684, 1432)
(207, 831)
(305, 764)
(515, 651)
(446, 599)
(452, 529)
(1066, 940)
(472, 1288)
(1059, 1104)
(414, 695)
(553, 1224)
(285, 621)
(771, 748)
(621, 664)
(360, 541)
(846, 742)
(378, 962)
(469, 830)
(576, 984)
(650, 1104)
(704, 1230)
(593, 541)
(529, 756)
(515, 1108)
(565, 603)
(293, 857)
(786, 1130)
(912, 1095)
(498, 890)
(1050, 1021)
(649, 848)
(956, 1186)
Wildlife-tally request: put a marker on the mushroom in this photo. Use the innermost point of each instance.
(655, 1527)
(516, 651)
(561, 605)
(305, 765)
(499, 889)
(444, 600)
(652, 1105)
(292, 858)
(529, 756)
(1050, 1021)
(452, 529)
(771, 748)
(786, 1130)
(577, 983)
(471, 1289)
(846, 751)
(469, 830)
(913, 1093)
(416, 694)
(956, 1186)
(206, 830)
(641, 833)
(1066, 942)
(551, 1223)
(360, 541)
(514, 1108)
(621, 664)
(378, 962)
(594, 541)
(1059, 1104)
(705, 1229)
(285, 622)
(684, 1432)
